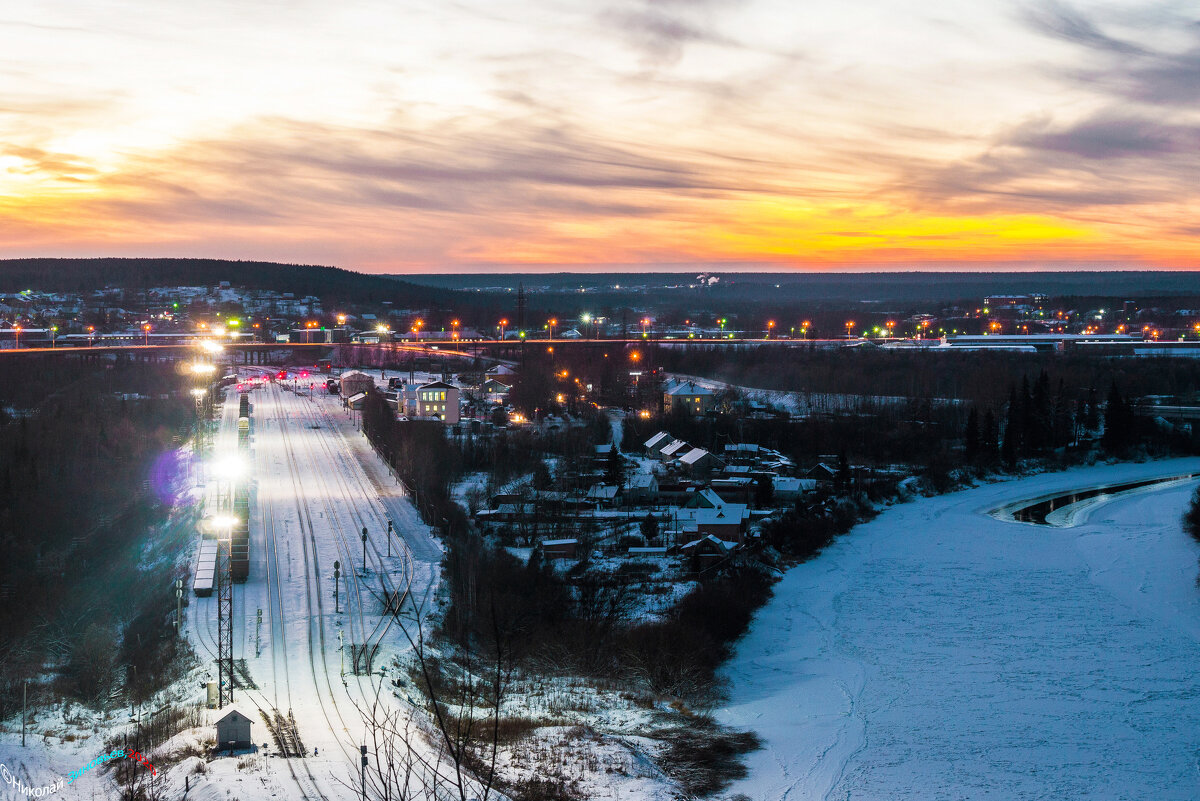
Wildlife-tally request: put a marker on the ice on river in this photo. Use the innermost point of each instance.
(937, 652)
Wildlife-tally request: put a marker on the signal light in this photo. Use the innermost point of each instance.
(304, 374)
(282, 375)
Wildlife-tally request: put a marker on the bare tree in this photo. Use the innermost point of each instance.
(446, 743)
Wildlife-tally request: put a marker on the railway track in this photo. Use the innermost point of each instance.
(286, 736)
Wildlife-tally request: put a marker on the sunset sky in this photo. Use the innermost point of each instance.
(402, 136)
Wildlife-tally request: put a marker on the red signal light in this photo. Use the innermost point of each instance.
(282, 375)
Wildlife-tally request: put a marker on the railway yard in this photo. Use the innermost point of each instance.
(306, 662)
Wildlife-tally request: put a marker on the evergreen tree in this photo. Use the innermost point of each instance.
(649, 527)
(843, 478)
(764, 491)
(614, 469)
(1011, 448)
(971, 435)
(990, 435)
(1116, 421)
(1091, 415)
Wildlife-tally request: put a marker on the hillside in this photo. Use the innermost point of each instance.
(332, 284)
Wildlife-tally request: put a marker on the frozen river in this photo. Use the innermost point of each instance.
(939, 653)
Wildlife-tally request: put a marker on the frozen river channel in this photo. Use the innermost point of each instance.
(938, 652)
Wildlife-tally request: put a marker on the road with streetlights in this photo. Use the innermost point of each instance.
(315, 484)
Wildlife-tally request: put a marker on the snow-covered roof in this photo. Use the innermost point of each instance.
(560, 542)
(602, 492)
(642, 481)
(789, 484)
(689, 388)
(693, 456)
(674, 447)
(657, 439)
(438, 385)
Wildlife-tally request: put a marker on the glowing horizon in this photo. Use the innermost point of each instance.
(425, 137)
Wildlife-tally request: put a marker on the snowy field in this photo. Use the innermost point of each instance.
(939, 653)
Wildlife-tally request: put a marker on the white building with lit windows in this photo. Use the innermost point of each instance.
(438, 401)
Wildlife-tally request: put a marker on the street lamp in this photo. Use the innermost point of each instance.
(146, 334)
(849, 325)
(503, 325)
(586, 319)
(770, 327)
(553, 321)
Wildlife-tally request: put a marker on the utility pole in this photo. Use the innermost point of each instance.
(389, 537)
(364, 539)
(24, 709)
(258, 635)
(224, 623)
(337, 568)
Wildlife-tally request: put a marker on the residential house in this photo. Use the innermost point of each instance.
(495, 391)
(603, 494)
(502, 373)
(641, 488)
(560, 549)
(788, 489)
(821, 472)
(699, 462)
(706, 552)
(656, 443)
(689, 396)
(438, 401)
(672, 451)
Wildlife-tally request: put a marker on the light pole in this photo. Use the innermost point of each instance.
(16, 337)
(146, 334)
(389, 538)
(503, 325)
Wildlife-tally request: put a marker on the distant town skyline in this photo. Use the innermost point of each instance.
(711, 134)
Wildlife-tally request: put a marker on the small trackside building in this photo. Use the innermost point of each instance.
(352, 382)
(233, 731)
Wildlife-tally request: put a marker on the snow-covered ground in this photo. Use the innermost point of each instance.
(938, 652)
(805, 403)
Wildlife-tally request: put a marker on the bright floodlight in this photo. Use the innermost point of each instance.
(199, 393)
(228, 468)
(222, 524)
(211, 347)
(200, 368)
